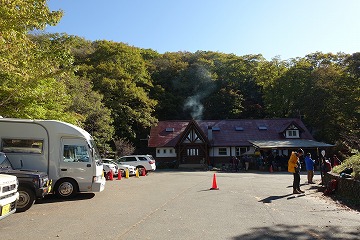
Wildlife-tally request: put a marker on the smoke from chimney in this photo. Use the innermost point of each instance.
(203, 89)
(195, 106)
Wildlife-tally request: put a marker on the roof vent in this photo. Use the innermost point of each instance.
(216, 129)
(239, 129)
(262, 127)
(169, 130)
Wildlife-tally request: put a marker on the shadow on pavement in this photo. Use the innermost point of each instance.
(272, 198)
(52, 198)
(280, 231)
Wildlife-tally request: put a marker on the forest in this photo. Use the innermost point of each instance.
(117, 92)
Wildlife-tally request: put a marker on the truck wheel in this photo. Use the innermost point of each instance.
(26, 199)
(66, 188)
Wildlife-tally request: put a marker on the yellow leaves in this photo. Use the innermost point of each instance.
(25, 15)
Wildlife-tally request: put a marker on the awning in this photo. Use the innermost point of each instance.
(289, 143)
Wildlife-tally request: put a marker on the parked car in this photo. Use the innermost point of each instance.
(121, 168)
(108, 165)
(32, 184)
(146, 162)
(8, 194)
(131, 169)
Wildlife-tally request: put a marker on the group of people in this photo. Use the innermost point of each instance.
(294, 166)
(242, 163)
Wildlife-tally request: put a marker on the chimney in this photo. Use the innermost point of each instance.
(210, 134)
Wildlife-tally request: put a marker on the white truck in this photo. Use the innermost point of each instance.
(8, 195)
(67, 153)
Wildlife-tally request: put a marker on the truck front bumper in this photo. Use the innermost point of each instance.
(99, 185)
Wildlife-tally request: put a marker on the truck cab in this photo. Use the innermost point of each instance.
(67, 153)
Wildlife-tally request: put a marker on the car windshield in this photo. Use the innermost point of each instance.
(4, 162)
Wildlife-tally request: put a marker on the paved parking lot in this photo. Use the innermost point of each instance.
(179, 205)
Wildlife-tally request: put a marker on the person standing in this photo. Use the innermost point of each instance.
(309, 163)
(294, 166)
(236, 163)
(247, 162)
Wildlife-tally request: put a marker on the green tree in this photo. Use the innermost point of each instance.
(238, 74)
(166, 73)
(320, 88)
(118, 71)
(283, 97)
(28, 88)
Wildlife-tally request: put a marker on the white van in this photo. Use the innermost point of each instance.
(8, 194)
(65, 152)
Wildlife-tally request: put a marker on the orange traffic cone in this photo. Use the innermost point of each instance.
(143, 172)
(119, 174)
(111, 175)
(214, 185)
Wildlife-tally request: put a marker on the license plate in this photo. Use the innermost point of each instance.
(5, 209)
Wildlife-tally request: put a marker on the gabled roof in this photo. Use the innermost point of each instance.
(193, 125)
(235, 132)
(286, 125)
(159, 137)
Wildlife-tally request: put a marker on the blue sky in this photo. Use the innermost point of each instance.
(285, 28)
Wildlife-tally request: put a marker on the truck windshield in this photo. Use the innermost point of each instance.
(4, 162)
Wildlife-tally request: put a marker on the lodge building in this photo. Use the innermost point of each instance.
(213, 142)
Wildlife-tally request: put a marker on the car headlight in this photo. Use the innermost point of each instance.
(43, 182)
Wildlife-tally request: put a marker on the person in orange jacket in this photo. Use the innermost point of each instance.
(294, 167)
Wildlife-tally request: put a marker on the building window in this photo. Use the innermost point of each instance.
(171, 151)
(222, 151)
(241, 150)
(192, 137)
(158, 151)
(164, 151)
(292, 133)
(192, 152)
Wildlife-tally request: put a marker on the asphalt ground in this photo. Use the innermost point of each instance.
(180, 205)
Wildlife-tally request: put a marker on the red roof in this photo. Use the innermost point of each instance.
(236, 132)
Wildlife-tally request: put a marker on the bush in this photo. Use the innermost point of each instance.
(351, 162)
(123, 147)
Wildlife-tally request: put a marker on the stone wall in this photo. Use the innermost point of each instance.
(346, 187)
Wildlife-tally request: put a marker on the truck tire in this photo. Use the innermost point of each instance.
(66, 188)
(26, 199)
